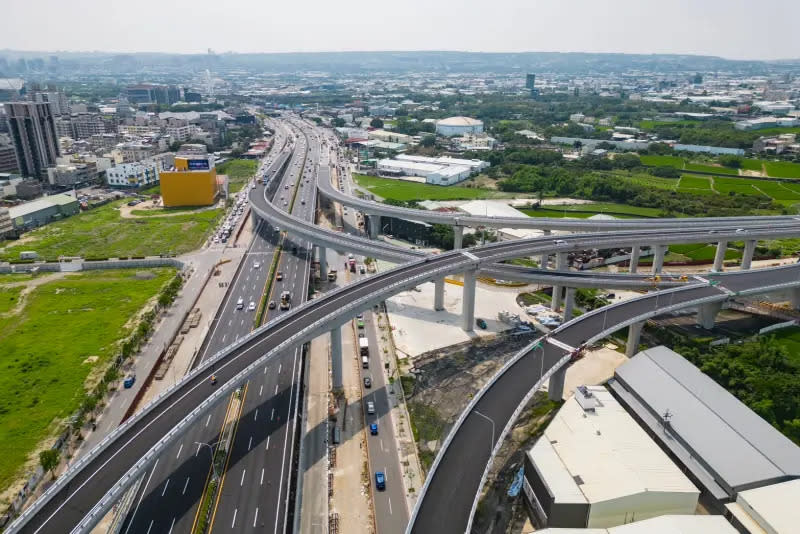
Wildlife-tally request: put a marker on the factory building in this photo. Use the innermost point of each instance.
(193, 180)
(595, 467)
(42, 211)
(453, 126)
(725, 447)
(665, 524)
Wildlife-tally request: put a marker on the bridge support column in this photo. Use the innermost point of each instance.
(658, 258)
(747, 255)
(555, 388)
(322, 254)
(337, 365)
(438, 294)
(706, 313)
(795, 298)
(374, 225)
(569, 303)
(458, 237)
(719, 257)
(634, 335)
(468, 303)
(561, 265)
(634, 262)
(545, 259)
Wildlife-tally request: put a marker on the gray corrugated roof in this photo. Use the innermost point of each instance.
(736, 445)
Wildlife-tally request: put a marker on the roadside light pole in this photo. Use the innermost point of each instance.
(491, 445)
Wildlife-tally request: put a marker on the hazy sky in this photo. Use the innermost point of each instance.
(744, 29)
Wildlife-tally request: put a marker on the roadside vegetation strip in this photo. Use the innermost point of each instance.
(273, 267)
(391, 189)
(103, 233)
(586, 210)
(59, 346)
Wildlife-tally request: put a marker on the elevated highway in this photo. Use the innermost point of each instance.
(80, 497)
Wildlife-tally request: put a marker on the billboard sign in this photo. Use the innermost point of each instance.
(198, 165)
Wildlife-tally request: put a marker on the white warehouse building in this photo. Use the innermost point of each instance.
(595, 467)
(436, 171)
(135, 174)
(457, 126)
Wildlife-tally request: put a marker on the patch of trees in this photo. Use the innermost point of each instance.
(760, 374)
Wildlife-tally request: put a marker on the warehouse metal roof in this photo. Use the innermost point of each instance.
(593, 451)
(718, 434)
(665, 524)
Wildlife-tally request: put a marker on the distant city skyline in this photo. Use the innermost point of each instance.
(726, 28)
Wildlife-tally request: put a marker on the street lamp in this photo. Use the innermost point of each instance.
(211, 451)
(491, 445)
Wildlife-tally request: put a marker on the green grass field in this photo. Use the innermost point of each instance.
(753, 165)
(389, 188)
(8, 297)
(584, 211)
(67, 329)
(790, 338)
(102, 233)
(698, 167)
(694, 182)
(239, 171)
(782, 169)
(663, 161)
(703, 252)
(737, 185)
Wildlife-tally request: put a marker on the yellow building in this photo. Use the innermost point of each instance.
(191, 182)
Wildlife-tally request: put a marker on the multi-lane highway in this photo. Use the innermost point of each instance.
(123, 457)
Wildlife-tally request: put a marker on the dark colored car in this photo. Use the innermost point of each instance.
(367, 382)
(481, 323)
(272, 305)
(380, 480)
(373, 429)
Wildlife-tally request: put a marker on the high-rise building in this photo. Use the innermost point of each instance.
(33, 132)
(153, 94)
(8, 158)
(57, 101)
(530, 81)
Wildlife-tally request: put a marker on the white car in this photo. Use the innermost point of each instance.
(257, 265)
(251, 306)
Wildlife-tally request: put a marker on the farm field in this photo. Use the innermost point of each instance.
(102, 233)
(703, 252)
(663, 161)
(774, 169)
(63, 335)
(389, 188)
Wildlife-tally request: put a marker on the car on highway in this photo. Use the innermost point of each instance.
(373, 429)
(370, 408)
(367, 381)
(251, 306)
(559, 242)
(380, 480)
(240, 304)
(257, 265)
(129, 381)
(271, 305)
(279, 276)
(360, 323)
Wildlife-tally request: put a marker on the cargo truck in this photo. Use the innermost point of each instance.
(363, 346)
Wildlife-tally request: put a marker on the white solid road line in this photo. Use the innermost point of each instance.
(165, 488)
(186, 485)
(141, 496)
(171, 525)
(151, 526)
